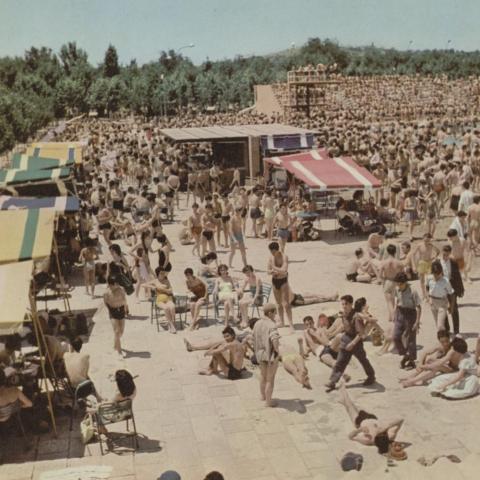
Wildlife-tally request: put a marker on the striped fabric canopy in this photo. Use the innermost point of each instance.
(59, 204)
(65, 151)
(12, 176)
(14, 290)
(317, 170)
(26, 234)
(26, 162)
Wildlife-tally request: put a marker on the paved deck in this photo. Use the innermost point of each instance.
(194, 424)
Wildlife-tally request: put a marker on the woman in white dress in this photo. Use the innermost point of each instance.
(461, 384)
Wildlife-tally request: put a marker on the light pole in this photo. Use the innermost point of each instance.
(449, 43)
(410, 43)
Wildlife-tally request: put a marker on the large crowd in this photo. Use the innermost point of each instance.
(133, 180)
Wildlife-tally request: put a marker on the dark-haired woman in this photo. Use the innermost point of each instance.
(369, 430)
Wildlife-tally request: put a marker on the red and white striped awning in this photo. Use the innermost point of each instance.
(316, 169)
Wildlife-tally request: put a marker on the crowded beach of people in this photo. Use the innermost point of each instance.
(167, 231)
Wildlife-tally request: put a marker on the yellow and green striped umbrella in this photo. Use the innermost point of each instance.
(27, 162)
(14, 290)
(62, 150)
(26, 234)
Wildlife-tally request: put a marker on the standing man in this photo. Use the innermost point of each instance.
(351, 343)
(116, 301)
(389, 268)
(266, 341)
(451, 271)
(407, 314)
(440, 295)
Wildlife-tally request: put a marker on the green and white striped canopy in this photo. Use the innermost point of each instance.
(28, 162)
(12, 176)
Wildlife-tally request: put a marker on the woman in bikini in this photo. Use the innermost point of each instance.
(268, 205)
(164, 297)
(278, 267)
(369, 430)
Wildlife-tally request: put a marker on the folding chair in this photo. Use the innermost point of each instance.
(83, 390)
(181, 309)
(11, 412)
(264, 298)
(116, 412)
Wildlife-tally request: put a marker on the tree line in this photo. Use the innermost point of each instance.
(42, 86)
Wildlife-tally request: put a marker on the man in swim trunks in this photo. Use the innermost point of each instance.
(389, 268)
(195, 226)
(423, 256)
(209, 225)
(278, 267)
(473, 217)
(237, 240)
(282, 221)
(228, 357)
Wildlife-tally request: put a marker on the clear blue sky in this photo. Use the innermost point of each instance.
(225, 28)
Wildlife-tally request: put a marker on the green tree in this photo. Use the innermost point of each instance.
(110, 64)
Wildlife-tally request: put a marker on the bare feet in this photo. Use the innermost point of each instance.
(188, 345)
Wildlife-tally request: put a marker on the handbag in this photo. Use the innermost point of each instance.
(87, 429)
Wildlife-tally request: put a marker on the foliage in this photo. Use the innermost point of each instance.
(43, 85)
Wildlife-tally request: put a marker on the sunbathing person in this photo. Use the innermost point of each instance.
(294, 364)
(361, 269)
(324, 339)
(462, 383)
(299, 300)
(227, 358)
(446, 364)
(369, 430)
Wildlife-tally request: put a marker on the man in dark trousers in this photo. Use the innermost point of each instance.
(452, 272)
(351, 344)
(406, 318)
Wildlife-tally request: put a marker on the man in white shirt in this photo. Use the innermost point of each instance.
(459, 224)
(440, 295)
(466, 198)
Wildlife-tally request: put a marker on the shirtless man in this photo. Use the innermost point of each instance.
(389, 268)
(255, 212)
(237, 239)
(428, 356)
(438, 186)
(208, 230)
(200, 293)
(473, 218)
(232, 366)
(327, 335)
(360, 269)
(227, 212)
(277, 266)
(423, 256)
(447, 363)
(282, 221)
(195, 226)
(458, 249)
(115, 300)
(88, 255)
(369, 430)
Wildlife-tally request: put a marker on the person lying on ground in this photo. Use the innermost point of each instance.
(369, 430)
(294, 364)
